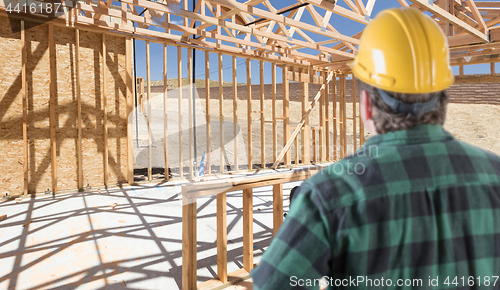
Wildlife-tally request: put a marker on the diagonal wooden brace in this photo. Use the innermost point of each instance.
(302, 121)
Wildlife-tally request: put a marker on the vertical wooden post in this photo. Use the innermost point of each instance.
(305, 137)
(361, 126)
(150, 149)
(327, 118)
(262, 119)
(461, 70)
(188, 244)
(334, 118)
(179, 88)
(25, 107)
(342, 113)
(235, 115)
(492, 68)
(277, 207)
(221, 116)
(190, 110)
(275, 123)
(129, 98)
(354, 114)
(286, 115)
(322, 119)
(221, 237)
(247, 229)
(165, 109)
(314, 144)
(52, 85)
(249, 114)
(105, 109)
(123, 16)
(208, 164)
(297, 158)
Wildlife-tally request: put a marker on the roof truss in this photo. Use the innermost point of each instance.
(255, 28)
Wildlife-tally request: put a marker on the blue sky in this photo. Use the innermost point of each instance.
(343, 25)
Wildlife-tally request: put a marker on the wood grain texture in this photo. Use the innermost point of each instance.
(222, 237)
(248, 229)
(277, 207)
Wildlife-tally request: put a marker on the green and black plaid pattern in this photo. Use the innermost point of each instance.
(415, 204)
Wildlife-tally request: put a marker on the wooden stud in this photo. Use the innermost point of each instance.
(235, 116)
(306, 133)
(343, 126)
(249, 114)
(208, 165)
(297, 158)
(461, 70)
(275, 123)
(286, 116)
(129, 98)
(165, 109)
(334, 118)
(221, 237)
(221, 116)
(492, 68)
(322, 120)
(105, 110)
(190, 110)
(277, 207)
(262, 119)
(327, 120)
(52, 85)
(25, 106)
(148, 85)
(314, 144)
(361, 126)
(247, 229)
(188, 244)
(354, 114)
(179, 88)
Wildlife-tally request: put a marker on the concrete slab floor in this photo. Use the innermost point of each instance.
(78, 241)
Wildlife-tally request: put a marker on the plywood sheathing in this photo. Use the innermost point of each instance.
(11, 122)
(38, 92)
(92, 113)
(66, 108)
(115, 73)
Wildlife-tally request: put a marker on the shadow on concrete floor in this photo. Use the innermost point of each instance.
(78, 241)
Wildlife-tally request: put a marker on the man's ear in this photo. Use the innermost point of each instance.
(367, 109)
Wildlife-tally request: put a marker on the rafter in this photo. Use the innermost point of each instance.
(446, 16)
(477, 16)
(266, 32)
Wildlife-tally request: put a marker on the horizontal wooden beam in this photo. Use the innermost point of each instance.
(195, 190)
(485, 79)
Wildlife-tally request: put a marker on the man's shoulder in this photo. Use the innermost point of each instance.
(368, 172)
(343, 182)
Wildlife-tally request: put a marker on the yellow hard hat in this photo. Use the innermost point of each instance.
(403, 51)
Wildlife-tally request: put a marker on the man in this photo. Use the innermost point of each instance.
(414, 207)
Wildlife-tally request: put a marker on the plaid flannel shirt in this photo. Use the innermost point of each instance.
(412, 204)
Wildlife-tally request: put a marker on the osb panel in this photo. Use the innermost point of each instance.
(66, 109)
(37, 81)
(92, 114)
(11, 122)
(115, 76)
